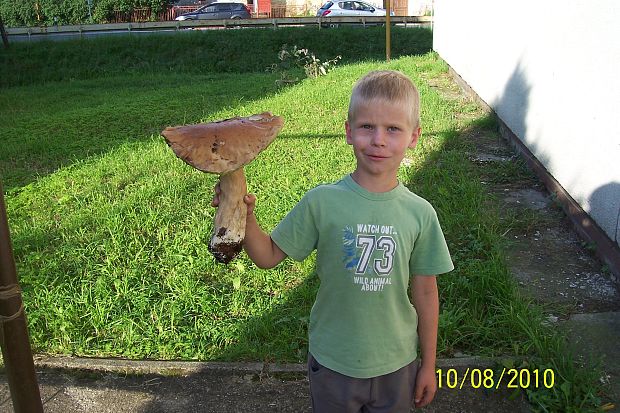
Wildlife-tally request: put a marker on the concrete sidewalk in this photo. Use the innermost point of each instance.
(103, 385)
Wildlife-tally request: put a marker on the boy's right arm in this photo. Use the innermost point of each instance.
(257, 243)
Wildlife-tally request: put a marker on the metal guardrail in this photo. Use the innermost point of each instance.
(209, 24)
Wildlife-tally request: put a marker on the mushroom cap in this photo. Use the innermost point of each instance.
(225, 145)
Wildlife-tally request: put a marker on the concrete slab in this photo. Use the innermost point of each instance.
(528, 197)
(595, 336)
(488, 157)
(553, 267)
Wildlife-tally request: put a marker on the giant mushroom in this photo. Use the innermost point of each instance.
(225, 147)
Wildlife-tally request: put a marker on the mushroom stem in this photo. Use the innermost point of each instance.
(229, 227)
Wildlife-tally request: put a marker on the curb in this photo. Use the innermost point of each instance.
(186, 368)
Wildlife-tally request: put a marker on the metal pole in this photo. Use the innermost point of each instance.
(90, 13)
(16, 349)
(387, 31)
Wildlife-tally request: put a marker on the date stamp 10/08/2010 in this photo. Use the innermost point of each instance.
(492, 379)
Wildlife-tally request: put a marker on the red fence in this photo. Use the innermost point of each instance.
(145, 14)
(290, 11)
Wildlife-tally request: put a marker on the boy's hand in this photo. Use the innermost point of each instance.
(249, 199)
(425, 386)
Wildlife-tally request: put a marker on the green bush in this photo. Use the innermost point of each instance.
(17, 13)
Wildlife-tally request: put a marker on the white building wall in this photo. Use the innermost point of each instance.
(551, 71)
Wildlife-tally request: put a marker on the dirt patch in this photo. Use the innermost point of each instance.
(231, 391)
(209, 391)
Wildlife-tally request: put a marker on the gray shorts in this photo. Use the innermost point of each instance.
(332, 392)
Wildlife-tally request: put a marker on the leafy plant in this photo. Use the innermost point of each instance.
(295, 57)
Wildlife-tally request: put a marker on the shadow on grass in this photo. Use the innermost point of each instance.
(61, 124)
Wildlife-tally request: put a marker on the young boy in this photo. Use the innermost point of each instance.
(375, 241)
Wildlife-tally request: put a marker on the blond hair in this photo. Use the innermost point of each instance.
(386, 86)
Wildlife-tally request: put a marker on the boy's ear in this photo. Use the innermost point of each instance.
(347, 129)
(415, 136)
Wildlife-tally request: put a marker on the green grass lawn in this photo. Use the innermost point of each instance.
(110, 229)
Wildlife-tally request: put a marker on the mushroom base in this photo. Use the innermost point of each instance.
(225, 252)
(229, 226)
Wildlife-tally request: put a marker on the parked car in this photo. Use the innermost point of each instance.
(350, 8)
(218, 11)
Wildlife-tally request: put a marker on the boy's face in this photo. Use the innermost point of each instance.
(380, 134)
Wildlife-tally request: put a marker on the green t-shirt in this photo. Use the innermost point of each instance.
(368, 245)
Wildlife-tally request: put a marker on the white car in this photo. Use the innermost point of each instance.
(350, 8)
